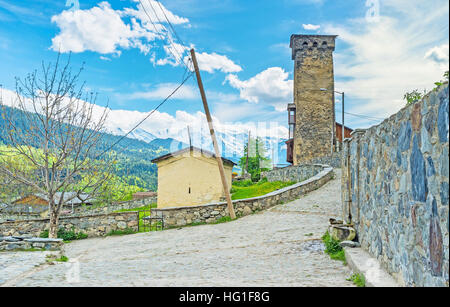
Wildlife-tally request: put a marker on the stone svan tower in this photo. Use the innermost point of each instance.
(312, 116)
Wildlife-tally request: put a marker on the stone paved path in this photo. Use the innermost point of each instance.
(278, 247)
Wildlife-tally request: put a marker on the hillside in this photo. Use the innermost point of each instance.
(133, 157)
(134, 153)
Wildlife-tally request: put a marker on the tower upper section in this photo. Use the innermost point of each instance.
(304, 43)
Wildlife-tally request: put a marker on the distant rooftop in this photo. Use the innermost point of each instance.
(69, 197)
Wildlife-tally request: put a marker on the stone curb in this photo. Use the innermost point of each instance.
(26, 242)
(361, 262)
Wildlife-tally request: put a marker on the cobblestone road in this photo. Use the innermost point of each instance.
(278, 247)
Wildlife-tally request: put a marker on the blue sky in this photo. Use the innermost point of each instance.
(243, 49)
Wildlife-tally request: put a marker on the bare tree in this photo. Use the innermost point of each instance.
(57, 139)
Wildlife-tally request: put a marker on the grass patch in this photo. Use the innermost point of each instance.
(333, 249)
(62, 259)
(127, 231)
(248, 189)
(66, 235)
(358, 279)
(224, 219)
(51, 258)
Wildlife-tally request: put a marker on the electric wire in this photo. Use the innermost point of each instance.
(146, 117)
(171, 42)
(177, 59)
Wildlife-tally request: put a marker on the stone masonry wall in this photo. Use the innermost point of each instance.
(292, 173)
(133, 204)
(177, 217)
(83, 210)
(92, 225)
(333, 160)
(396, 176)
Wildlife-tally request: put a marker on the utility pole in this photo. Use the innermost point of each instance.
(213, 136)
(190, 140)
(343, 122)
(248, 149)
(273, 157)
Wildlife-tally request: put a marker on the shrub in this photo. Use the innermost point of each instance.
(44, 234)
(62, 259)
(333, 248)
(243, 184)
(358, 279)
(264, 180)
(66, 235)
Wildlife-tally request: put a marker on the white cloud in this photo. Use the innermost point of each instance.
(439, 54)
(157, 12)
(311, 27)
(212, 61)
(163, 125)
(174, 53)
(379, 62)
(270, 87)
(102, 29)
(99, 29)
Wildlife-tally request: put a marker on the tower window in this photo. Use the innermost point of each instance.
(315, 44)
(292, 119)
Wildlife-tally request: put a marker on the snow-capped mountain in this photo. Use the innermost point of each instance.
(231, 142)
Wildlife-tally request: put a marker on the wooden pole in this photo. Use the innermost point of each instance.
(343, 118)
(190, 140)
(273, 157)
(213, 137)
(248, 149)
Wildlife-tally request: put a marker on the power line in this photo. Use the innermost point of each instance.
(180, 59)
(159, 33)
(177, 36)
(170, 24)
(171, 42)
(145, 118)
(365, 116)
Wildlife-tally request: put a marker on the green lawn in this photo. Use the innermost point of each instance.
(247, 189)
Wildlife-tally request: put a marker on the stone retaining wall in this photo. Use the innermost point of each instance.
(16, 217)
(82, 210)
(396, 184)
(177, 217)
(28, 242)
(292, 173)
(92, 225)
(133, 204)
(333, 160)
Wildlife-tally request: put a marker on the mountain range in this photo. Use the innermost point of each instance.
(136, 151)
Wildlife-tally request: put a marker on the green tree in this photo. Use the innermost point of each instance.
(415, 95)
(257, 160)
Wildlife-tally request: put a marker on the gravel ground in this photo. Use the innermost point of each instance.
(278, 247)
